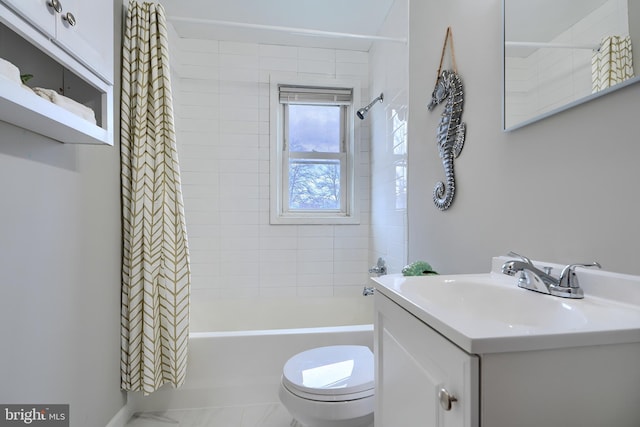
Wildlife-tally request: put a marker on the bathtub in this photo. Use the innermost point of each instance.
(237, 347)
(250, 314)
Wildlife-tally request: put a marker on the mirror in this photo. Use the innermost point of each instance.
(557, 54)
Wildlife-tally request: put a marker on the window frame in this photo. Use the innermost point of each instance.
(279, 155)
(341, 156)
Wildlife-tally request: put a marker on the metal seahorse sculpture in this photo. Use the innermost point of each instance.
(451, 132)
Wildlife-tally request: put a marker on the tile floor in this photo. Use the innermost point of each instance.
(267, 415)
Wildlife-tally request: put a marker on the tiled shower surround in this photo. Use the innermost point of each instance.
(221, 96)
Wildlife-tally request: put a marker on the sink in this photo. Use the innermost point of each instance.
(484, 313)
(484, 298)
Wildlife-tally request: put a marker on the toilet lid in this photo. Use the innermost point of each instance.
(333, 370)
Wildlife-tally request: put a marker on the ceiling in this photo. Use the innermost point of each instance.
(360, 17)
(538, 20)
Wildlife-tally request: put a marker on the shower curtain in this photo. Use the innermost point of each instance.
(612, 63)
(155, 271)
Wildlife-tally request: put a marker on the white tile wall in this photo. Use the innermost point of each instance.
(550, 78)
(222, 123)
(388, 127)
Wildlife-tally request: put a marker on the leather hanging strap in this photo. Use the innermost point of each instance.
(453, 53)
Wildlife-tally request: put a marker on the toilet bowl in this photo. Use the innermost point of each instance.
(330, 386)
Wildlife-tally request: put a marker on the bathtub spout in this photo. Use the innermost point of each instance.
(368, 290)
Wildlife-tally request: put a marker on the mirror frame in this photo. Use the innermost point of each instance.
(549, 113)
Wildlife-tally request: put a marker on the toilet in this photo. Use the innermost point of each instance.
(330, 387)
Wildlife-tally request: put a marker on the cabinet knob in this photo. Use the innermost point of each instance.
(55, 5)
(446, 399)
(69, 18)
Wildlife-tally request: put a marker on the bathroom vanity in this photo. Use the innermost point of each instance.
(476, 350)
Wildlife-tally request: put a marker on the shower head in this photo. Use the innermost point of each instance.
(362, 113)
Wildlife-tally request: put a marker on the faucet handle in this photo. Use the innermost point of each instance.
(380, 268)
(522, 257)
(568, 278)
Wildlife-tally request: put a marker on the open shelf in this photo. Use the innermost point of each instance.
(25, 109)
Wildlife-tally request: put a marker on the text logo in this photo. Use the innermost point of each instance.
(34, 415)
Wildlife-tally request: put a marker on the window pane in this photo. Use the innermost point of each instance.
(314, 128)
(314, 184)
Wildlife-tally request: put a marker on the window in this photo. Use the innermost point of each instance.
(313, 154)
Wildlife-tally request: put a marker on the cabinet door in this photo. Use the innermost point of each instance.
(90, 38)
(37, 12)
(413, 363)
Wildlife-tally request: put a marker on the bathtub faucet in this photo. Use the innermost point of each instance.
(368, 290)
(380, 268)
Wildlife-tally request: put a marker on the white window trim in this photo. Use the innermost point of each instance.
(276, 213)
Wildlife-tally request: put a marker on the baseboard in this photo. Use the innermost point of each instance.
(121, 418)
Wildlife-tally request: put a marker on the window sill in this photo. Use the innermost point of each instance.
(314, 219)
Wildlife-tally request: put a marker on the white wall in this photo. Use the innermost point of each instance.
(563, 189)
(388, 122)
(222, 109)
(60, 274)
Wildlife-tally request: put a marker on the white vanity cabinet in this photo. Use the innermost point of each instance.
(83, 28)
(76, 61)
(426, 380)
(432, 334)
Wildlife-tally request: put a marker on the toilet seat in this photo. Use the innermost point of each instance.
(331, 374)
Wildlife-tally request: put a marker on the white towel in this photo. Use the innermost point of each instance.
(47, 94)
(75, 107)
(9, 71)
(67, 103)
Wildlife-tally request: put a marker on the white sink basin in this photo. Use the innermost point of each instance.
(485, 298)
(486, 313)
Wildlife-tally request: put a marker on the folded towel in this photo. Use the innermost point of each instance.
(47, 94)
(75, 107)
(9, 71)
(67, 103)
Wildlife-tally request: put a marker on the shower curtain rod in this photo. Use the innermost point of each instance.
(291, 30)
(553, 45)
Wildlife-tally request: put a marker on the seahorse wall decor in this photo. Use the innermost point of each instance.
(451, 132)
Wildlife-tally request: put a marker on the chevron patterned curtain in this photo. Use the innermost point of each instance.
(612, 63)
(155, 272)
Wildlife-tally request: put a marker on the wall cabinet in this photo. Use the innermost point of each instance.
(423, 379)
(83, 28)
(37, 12)
(74, 60)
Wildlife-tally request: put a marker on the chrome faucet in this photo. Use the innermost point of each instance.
(534, 279)
(380, 268)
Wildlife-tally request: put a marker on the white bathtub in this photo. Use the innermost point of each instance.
(250, 314)
(237, 348)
